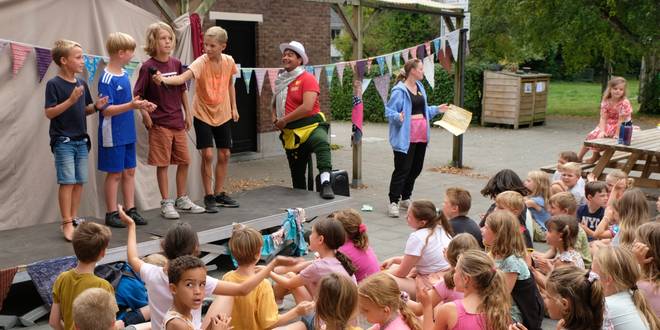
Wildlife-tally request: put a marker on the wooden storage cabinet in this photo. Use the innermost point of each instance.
(514, 99)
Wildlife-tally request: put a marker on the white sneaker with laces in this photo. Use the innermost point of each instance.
(393, 210)
(184, 204)
(404, 204)
(167, 209)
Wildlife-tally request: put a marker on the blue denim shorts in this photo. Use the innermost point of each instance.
(70, 160)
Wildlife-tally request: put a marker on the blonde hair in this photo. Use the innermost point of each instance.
(586, 297)
(510, 200)
(615, 81)
(218, 33)
(156, 259)
(565, 201)
(94, 309)
(490, 285)
(336, 302)
(633, 212)
(571, 167)
(410, 64)
(458, 244)
(619, 264)
(617, 175)
(541, 185)
(153, 30)
(118, 41)
(508, 239)
(382, 290)
(62, 48)
(352, 222)
(245, 244)
(649, 235)
(460, 198)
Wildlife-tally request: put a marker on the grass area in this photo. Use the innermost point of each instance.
(582, 98)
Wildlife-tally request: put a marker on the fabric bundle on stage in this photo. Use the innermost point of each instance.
(44, 273)
(6, 279)
(356, 118)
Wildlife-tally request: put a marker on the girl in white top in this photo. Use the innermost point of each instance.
(627, 309)
(424, 258)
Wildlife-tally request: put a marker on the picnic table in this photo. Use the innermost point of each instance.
(643, 158)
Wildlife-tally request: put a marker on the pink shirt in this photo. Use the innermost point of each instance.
(313, 273)
(396, 324)
(468, 321)
(365, 261)
(651, 294)
(446, 294)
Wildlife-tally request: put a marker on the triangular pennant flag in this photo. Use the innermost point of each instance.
(365, 84)
(43, 61)
(429, 70)
(369, 60)
(106, 60)
(272, 75)
(382, 86)
(91, 64)
(436, 44)
(381, 64)
(397, 59)
(260, 74)
(329, 70)
(130, 67)
(237, 74)
(360, 67)
(309, 69)
(427, 46)
(317, 73)
(405, 55)
(388, 61)
(413, 52)
(247, 76)
(340, 72)
(421, 51)
(452, 38)
(19, 53)
(444, 59)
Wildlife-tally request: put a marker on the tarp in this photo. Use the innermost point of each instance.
(28, 187)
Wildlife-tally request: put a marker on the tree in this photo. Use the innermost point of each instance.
(584, 31)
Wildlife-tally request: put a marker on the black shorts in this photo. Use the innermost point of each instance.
(206, 134)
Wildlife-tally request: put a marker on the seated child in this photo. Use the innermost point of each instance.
(538, 184)
(90, 241)
(590, 214)
(514, 202)
(379, 301)
(94, 309)
(356, 247)
(575, 297)
(565, 157)
(187, 280)
(256, 310)
(647, 252)
(455, 207)
(564, 204)
(424, 249)
(561, 236)
(571, 173)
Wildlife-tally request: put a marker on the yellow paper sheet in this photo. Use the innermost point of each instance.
(456, 120)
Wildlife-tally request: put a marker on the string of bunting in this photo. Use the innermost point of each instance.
(442, 49)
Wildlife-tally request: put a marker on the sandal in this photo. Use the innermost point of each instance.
(64, 223)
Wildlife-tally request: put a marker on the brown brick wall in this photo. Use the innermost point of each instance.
(283, 21)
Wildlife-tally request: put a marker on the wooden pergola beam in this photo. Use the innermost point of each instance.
(349, 27)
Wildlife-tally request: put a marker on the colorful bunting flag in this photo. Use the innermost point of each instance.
(413, 52)
(444, 59)
(365, 84)
(429, 70)
(329, 70)
(91, 64)
(247, 76)
(382, 86)
(405, 55)
(452, 38)
(381, 64)
(19, 53)
(130, 68)
(397, 59)
(260, 74)
(309, 69)
(436, 44)
(237, 74)
(360, 66)
(272, 75)
(369, 60)
(317, 73)
(421, 51)
(340, 72)
(43, 61)
(388, 61)
(427, 47)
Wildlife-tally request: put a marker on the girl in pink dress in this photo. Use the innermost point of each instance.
(615, 109)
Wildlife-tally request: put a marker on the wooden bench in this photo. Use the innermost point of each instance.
(618, 156)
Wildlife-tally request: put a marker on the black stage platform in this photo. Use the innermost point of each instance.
(260, 208)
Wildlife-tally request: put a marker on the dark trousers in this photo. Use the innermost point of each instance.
(317, 143)
(407, 168)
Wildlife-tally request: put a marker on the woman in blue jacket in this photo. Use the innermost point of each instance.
(409, 116)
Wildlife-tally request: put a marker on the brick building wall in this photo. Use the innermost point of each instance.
(283, 21)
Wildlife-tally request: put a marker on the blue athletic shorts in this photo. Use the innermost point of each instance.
(116, 159)
(70, 160)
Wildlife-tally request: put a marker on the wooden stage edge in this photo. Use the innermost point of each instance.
(261, 209)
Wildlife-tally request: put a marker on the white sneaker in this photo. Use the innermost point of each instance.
(393, 210)
(404, 204)
(184, 204)
(167, 209)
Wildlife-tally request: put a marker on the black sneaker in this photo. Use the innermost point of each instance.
(225, 201)
(137, 218)
(326, 190)
(112, 220)
(210, 204)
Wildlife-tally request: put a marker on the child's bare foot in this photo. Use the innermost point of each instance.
(67, 230)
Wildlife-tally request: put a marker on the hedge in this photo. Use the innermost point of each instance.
(341, 101)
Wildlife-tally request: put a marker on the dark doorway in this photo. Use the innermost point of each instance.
(242, 46)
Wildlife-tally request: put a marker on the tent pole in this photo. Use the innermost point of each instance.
(357, 91)
(459, 88)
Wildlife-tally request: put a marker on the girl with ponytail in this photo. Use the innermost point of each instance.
(326, 238)
(619, 273)
(647, 251)
(382, 303)
(356, 247)
(575, 297)
(424, 258)
(485, 304)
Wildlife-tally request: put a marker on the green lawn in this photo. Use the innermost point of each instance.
(581, 98)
